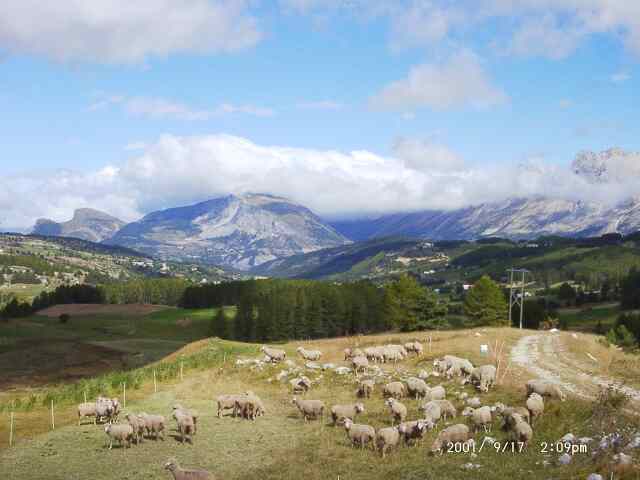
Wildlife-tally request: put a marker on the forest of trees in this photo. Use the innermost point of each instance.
(155, 291)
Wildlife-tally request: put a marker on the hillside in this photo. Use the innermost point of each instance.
(86, 224)
(234, 231)
(32, 263)
(213, 367)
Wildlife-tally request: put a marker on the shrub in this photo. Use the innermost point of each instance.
(64, 317)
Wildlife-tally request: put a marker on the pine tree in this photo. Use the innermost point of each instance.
(486, 304)
(219, 324)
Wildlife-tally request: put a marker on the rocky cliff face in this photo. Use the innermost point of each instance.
(234, 231)
(86, 224)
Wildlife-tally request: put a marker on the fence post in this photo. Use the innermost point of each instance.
(155, 383)
(85, 396)
(11, 431)
(124, 394)
(181, 370)
(53, 418)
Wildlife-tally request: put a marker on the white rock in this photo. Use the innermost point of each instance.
(290, 363)
(565, 459)
(595, 476)
(423, 374)
(463, 396)
(328, 366)
(568, 438)
(585, 440)
(635, 443)
(313, 366)
(474, 402)
(471, 466)
(490, 440)
(343, 370)
(282, 376)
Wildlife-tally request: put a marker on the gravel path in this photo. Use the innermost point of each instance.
(545, 356)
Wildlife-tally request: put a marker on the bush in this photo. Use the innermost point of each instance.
(64, 317)
(621, 336)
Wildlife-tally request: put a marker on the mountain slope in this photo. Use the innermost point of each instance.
(86, 224)
(233, 231)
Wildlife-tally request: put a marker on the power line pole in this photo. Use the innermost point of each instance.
(515, 297)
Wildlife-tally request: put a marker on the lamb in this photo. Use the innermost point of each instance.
(309, 408)
(395, 389)
(226, 402)
(483, 377)
(392, 355)
(359, 434)
(249, 406)
(341, 412)
(453, 434)
(545, 389)
(123, 433)
(138, 426)
(387, 438)
(365, 388)
(313, 355)
(275, 355)
(436, 393)
(87, 410)
(104, 409)
(431, 411)
(414, 430)
(359, 363)
(521, 430)
(192, 413)
(186, 425)
(446, 408)
(154, 424)
(182, 474)
(398, 410)
(480, 418)
(417, 387)
(535, 405)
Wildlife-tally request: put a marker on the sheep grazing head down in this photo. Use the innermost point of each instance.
(360, 407)
(171, 465)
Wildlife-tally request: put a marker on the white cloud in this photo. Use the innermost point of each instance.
(545, 37)
(457, 82)
(124, 31)
(181, 170)
(565, 103)
(164, 108)
(320, 105)
(620, 77)
(135, 146)
(426, 156)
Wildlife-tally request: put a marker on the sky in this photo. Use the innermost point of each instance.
(351, 107)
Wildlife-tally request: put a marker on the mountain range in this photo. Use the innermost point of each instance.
(246, 231)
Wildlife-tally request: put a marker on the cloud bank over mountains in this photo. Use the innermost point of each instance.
(419, 175)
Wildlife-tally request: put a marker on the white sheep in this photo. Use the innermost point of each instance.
(275, 355)
(417, 387)
(123, 433)
(87, 410)
(398, 410)
(535, 405)
(458, 433)
(545, 389)
(431, 411)
(446, 408)
(191, 413)
(313, 355)
(138, 426)
(309, 408)
(365, 388)
(185, 424)
(483, 377)
(183, 474)
(359, 363)
(359, 434)
(480, 417)
(507, 413)
(387, 438)
(436, 393)
(154, 424)
(227, 402)
(341, 412)
(300, 385)
(395, 389)
(521, 431)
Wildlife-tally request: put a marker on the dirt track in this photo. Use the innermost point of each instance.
(545, 356)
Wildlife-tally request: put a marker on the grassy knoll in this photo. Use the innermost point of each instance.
(587, 318)
(281, 446)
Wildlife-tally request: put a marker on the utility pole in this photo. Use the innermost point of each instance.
(515, 297)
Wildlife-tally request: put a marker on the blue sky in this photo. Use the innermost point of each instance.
(495, 84)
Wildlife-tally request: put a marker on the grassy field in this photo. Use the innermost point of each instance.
(586, 318)
(281, 446)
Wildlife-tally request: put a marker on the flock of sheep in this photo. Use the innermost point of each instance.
(435, 408)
